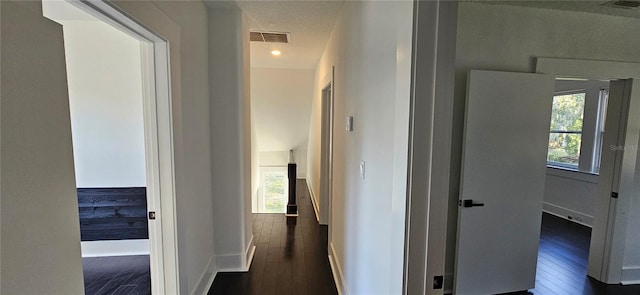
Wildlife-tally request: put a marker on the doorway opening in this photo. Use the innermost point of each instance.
(326, 154)
(577, 128)
(120, 105)
(509, 193)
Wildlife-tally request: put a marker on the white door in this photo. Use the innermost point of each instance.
(503, 174)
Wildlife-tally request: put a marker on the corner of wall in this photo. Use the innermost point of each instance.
(239, 262)
(206, 279)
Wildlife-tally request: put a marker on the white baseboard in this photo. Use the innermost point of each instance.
(577, 217)
(314, 203)
(249, 253)
(240, 262)
(630, 275)
(115, 248)
(338, 276)
(206, 279)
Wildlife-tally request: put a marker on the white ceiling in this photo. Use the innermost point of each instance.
(309, 22)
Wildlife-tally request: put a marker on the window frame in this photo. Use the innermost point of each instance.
(601, 116)
(560, 165)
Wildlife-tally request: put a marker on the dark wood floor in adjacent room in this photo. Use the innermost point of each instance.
(117, 275)
(291, 258)
(562, 262)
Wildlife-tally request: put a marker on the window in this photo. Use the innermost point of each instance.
(565, 136)
(274, 190)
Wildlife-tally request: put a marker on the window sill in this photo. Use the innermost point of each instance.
(570, 173)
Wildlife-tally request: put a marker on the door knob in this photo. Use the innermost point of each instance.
(469, 203)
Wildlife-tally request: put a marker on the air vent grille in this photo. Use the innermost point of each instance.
(625, 4)
(270, 37)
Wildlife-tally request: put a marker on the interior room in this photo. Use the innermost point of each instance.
(105, 82)
(571, 184)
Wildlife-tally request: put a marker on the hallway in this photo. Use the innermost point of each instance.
(290, 258)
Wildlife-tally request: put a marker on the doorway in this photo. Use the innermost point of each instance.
(122, 137)
(326, 154)
(563, 145)
(577, 128)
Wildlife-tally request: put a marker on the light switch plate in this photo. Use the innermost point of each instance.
(349, 123)
(362, 169)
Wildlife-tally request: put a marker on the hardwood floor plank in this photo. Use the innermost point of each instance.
(291, 256)
(117, 275)
(562, 261)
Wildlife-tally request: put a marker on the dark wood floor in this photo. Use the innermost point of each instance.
(117, 275)
(291, 256)
(562, 262)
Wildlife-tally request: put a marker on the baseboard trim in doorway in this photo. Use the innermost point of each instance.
(206, 279)
(564, 213)
(630, 275)
(237, 262)
(115, 248)
(338, 277)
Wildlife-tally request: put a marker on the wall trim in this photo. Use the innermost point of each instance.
(630, 275)
(206, 279)
(338, 277)
(575, 175)
(587, 68)
(562, 212)
(314, 202)
(115, 248)
(240, 262)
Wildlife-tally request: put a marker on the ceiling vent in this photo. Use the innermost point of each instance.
(625, 4)
(270, 37)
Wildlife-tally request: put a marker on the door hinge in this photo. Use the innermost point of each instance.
(614, 195)
(152, 215)
(438, 282)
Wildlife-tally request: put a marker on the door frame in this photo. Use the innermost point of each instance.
(606, 252)
(159, 143)
(430, 132)
(326, 150)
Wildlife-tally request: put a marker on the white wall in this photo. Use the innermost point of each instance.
(281, 104)
(230, 137)
(105, 100)
(370, 47)
(274, 158)
(570, 194)
(39, 225)
(484, 43)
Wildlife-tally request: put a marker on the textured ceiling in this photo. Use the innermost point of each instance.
(309, 22)
(591, 6)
